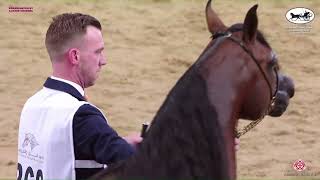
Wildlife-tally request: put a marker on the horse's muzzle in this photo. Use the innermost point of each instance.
(285, 92)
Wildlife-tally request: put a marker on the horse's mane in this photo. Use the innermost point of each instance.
(184, 140)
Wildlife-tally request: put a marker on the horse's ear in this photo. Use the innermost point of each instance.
(213, 21)
(250, 25)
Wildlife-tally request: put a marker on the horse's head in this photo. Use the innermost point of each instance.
(248, 74)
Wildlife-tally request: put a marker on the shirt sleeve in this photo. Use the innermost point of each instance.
(95, 140)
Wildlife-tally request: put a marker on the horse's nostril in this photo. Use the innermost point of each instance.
(280, 105)
(290, 86)
(291, 92)
(286, 84)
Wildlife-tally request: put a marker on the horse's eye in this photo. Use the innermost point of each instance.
(273, 63)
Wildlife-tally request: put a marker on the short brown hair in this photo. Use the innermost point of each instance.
(65, 27)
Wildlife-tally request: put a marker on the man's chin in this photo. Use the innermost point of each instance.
(88, 84)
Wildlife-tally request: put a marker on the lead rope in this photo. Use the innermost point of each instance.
(253, 124)
(248, 127)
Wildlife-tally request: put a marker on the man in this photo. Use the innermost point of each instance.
(61, 136)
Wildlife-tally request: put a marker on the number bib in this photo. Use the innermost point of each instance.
(29, 173)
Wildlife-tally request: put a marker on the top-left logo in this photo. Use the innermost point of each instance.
(20, 9)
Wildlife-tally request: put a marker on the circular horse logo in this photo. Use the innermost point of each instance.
(299, 165)
(300, 15)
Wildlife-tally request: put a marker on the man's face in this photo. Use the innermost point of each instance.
(91, 56)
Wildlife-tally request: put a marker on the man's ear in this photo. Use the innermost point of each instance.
(73, 56)
(250, 25)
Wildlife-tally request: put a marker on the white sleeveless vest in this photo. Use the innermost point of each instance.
(45, 144)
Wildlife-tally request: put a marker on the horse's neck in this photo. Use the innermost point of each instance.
(185, 139)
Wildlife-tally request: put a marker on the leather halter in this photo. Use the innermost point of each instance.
(228, 35)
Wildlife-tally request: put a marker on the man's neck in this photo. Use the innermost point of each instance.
(68, 81)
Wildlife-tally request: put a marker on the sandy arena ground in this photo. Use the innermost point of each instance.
(149, 44)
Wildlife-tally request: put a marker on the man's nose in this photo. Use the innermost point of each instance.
(286, 84)
(103, 61)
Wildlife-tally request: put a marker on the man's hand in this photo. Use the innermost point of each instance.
(133, 139)
(236, 144)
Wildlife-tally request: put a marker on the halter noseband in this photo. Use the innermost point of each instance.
(228, 35)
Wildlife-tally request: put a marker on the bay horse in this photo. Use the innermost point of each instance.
(192, 135)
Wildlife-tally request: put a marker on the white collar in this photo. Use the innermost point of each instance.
(73, 84)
